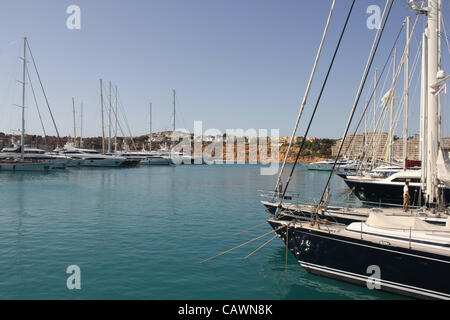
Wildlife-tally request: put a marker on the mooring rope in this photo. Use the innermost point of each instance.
(260, 247)
(241, 245)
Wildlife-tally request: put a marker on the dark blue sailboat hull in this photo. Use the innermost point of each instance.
(369, 192)
(403, 271)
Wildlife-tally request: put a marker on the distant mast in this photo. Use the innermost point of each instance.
(103, 120)
(81, 125)
(109, 122)
(173, 129)
(22, 142)
(151, 129)
(115, 113)
(74, 122)
(174, 110)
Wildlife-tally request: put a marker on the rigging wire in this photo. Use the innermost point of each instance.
(305, 97)
(36, 103)
(378, 82)
(122, 112)
(42, 87)
(315, 107)
(445, 33)
(363, 81)
(415, 62)
(118, 122)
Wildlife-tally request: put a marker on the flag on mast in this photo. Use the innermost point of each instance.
(442, 89)
(385, 99)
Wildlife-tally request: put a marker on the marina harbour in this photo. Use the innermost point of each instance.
(210, 150)
(141, 233)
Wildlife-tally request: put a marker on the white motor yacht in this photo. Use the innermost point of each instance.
(91, 158)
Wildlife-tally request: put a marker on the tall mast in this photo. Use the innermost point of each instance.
(22, 142)
(115, 129)
(74, 122)
(103, 122)
(406, 93)
(174, 110)
(424, 109)
(81, 125)
(151, 131)
(374, 113)
(109, 123)
(374, 100)
(433, 107)
(439, 111)
(391, 124)
(365, 134)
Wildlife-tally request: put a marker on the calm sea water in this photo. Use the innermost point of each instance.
(140, 233)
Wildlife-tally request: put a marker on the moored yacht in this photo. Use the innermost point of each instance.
(389, 191)
(145, 158)
(17, 159)
(327, 165)
(91, 158)
(411, 257)
(34, 154)
(389, 251)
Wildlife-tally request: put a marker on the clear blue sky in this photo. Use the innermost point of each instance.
(234, 64)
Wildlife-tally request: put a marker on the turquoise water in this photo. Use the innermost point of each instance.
(140, 233)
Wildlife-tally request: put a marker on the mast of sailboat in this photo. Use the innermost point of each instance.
(22, 140)
(151, 129)
(103, 123)
(174, 114)
(374, 111)
(173, 129)
(374, 100)
(81, 125)
(74, 122)
(406, 95)
(439, 62)
(423, 110)
(433, 103)
(115, 129)
(391, 124)
(109, 122)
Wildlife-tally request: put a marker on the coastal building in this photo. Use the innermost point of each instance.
(354, 145)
